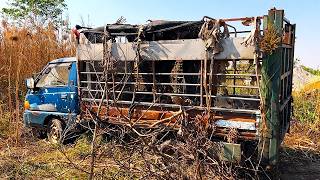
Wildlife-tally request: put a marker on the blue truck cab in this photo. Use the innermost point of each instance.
(52, 99)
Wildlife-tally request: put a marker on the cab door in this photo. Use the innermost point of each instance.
(52, 89)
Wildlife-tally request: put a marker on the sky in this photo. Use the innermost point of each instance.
(306, 14)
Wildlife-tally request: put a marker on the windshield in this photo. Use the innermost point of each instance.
(55, 75)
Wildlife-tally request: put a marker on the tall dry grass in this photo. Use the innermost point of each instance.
(305, 130)
(23, 52)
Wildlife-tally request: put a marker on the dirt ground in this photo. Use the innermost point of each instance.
(299, 165)
(294, 164)
(299, 159)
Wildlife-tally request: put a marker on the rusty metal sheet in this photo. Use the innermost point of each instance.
(141, 114)
(148, 117)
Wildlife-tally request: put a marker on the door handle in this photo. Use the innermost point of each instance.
(63, 96)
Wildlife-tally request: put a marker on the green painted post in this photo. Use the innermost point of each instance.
(264, 142)
(270, 89)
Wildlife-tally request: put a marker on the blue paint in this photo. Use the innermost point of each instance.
(37, 118)
(55, 100)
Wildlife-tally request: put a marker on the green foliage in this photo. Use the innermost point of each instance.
(312, 71)
(81, 149)
(42, 11)
(306, 107)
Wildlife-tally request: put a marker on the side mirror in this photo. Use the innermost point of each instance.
(30, 83)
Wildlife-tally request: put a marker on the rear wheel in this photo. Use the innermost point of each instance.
(54, 131)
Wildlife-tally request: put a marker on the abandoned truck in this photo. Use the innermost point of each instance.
(164, 73)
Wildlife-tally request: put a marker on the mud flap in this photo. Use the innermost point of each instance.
(230, 152)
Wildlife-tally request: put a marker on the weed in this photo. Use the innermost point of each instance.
(306, 107)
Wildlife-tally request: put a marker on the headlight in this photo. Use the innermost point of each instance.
(26, 105)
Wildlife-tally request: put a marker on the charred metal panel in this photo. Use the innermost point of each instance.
(186, 49)
(90, 51)
(234, 48)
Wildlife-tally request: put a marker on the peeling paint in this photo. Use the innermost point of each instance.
(47, 107)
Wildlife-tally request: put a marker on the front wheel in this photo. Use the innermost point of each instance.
(54, 131)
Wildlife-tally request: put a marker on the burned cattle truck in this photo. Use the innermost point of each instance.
(167, 73)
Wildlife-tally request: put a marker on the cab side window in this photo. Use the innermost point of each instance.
(55, 75)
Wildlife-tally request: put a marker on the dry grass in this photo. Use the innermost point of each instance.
(300, 156)
(270, 40)
(24, 51)
(304, 137)
(305, 130)
(38, 159)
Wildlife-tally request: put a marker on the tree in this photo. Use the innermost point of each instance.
(37, 11)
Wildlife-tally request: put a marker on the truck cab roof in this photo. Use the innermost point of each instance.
(63, 60)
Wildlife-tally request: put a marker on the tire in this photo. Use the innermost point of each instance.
(54, 131)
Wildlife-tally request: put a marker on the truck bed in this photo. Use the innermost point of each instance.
(168, 73)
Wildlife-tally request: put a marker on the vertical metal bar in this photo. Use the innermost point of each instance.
(154, 90)
(201, 82)
(234, 77)
(293, 30)
(283, 71)
(88, 75)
